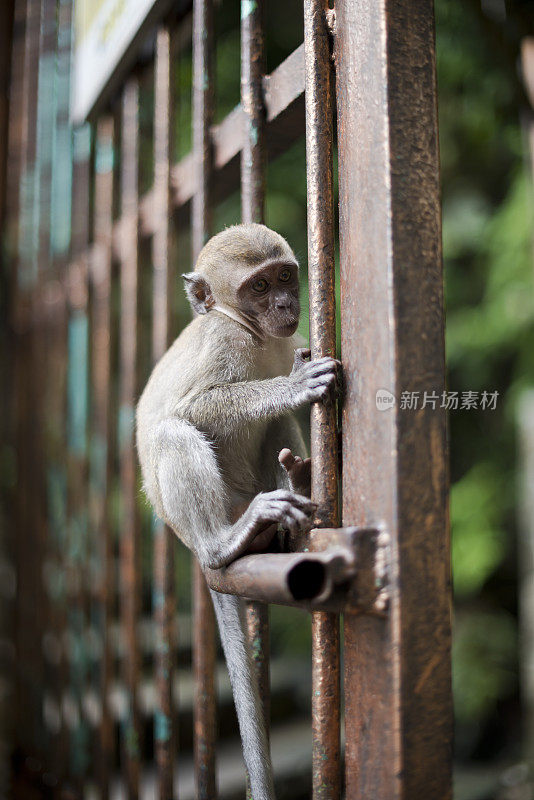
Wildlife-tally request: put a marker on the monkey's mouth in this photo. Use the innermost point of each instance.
(286, 328)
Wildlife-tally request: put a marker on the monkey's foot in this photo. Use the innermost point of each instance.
(298, 471)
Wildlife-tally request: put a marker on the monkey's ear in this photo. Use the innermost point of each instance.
(198, 292)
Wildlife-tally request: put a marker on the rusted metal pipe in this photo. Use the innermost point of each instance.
(302, 579)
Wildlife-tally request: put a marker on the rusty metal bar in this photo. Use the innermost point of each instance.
(253, 147)
(54, 300)
(163, 591)
(46, 107)
(202, 154)
(204, 652)
(129, 551)
(43, 543)
(321, 272)
(69, 231)
(23, 144)
(100, 476)
(6, 42)
(252, 210)
(397, 670)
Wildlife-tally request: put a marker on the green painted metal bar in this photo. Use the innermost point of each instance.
(77, 523)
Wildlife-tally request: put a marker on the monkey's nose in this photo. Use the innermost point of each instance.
(282, 304)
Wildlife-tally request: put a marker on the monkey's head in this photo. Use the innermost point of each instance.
(248, 272)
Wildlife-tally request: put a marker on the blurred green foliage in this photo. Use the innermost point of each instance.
(487, 245)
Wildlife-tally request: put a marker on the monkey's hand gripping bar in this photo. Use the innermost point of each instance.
(328, 569)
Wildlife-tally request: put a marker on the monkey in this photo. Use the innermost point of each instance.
(216, 436)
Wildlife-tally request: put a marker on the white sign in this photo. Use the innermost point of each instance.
(104, 32)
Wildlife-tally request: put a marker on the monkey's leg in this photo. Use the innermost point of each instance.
(233, 631)
(195, 502)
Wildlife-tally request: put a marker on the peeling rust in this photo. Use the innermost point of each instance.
(397, 668)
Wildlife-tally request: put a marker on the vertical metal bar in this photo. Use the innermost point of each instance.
(77, 528)
(46, 105)
(129, 554)
(321, 271)
(28, 639)
(397, 670)
(45, 323)
(74, 222)
(62, 190)
(163, 593)
(253, 152)
(53, 569)
(79, 232)
(100, 477)
(6, 43)
(205, 704)
(29, 322)
(53, 361)
(27, 229)
(204, 652)
(252, 210)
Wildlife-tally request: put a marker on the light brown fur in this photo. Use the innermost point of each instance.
(214, 425)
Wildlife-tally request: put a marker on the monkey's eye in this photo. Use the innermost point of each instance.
(285, 275)
(260, 285)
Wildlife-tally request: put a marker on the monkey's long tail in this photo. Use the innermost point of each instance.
(231, 618)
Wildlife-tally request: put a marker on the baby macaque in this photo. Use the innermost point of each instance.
(216, 436)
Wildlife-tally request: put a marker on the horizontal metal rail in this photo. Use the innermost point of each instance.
(284, 108)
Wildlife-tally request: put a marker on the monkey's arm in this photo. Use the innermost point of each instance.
(236, 404)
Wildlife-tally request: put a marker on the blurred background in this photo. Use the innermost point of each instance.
(486, 120)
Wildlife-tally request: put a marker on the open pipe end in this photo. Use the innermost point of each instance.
(306, 580)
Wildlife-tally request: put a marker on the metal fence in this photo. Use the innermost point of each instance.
(89, 272)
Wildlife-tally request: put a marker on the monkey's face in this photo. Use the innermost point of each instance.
(269, 298)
